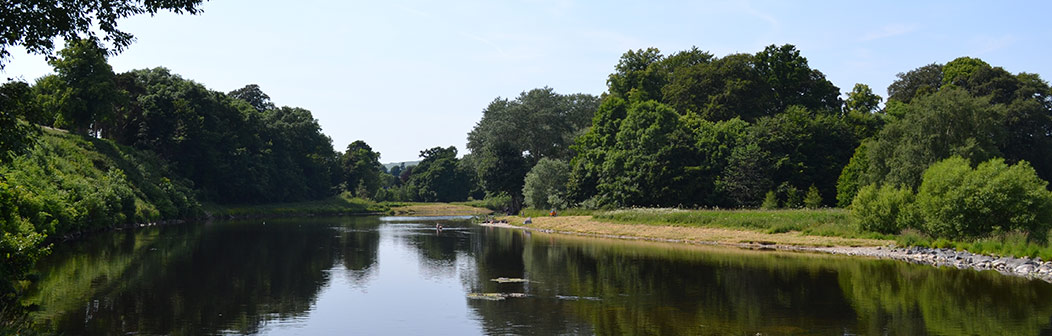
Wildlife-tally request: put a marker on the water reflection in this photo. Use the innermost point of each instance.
(395, 275)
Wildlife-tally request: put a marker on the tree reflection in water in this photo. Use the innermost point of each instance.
(242, 276)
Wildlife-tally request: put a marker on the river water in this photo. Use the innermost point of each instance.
(400, 276)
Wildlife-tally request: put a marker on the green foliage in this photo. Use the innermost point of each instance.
(886, 209)
(803, 148)
(36, 26)
(439, 177)
(853, 177)
(343, 204)
(813, 199)
(794, 83)
(498, 202)
(233, 152)
(862, 99)
(770, 201)
(361, 169)
(747, 174)
(85, 95)
(514, 135)
(69, 184)
(720, 89)
(947, 123)
(957, 201)
(959, 70)
(545, 184)
(16, 102)
(921, 81)
(835, 222)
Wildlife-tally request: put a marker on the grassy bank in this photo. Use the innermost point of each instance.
(342, 204)
(807, 227)
(437, 209)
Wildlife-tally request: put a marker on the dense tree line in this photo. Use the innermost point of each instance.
(236, 148)
(691, 129)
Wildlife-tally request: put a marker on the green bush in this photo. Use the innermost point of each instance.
(885, 210)
(957, 201)
(813, 199)
(770, 201)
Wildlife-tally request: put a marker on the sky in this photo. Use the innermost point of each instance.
(409, 75)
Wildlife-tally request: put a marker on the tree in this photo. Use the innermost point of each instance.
(545, 184)
(361, 169)
(254, 96)
(947, 123)
(961, 69)
(86, 95)
(16, 102)
(722, 89)
(514, 134)
(917, 82)
(35, 24)
(747, 176)
(805, 148)
(438, 177)
(862, 99)
(793, 82)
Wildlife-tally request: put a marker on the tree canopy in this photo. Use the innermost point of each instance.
(35, 24)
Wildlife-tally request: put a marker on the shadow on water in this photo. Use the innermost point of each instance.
(242, 276)
(198, 279)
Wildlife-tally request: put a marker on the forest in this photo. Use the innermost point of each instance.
(957, 150)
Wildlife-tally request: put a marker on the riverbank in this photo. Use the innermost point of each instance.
(437, 209)
(336, 205)
(1034, 268)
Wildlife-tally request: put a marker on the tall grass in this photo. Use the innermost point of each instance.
(825, 222)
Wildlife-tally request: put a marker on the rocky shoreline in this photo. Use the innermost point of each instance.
(1032, 268)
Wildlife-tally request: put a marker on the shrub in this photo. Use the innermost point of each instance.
(770, 201)
(813, 199)
(957, 201)
(885, 210)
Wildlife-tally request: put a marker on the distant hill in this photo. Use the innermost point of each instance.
(388, 166)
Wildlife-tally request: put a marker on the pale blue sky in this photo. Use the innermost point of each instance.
(409, 75)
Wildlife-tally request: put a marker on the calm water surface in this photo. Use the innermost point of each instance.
(399, 276)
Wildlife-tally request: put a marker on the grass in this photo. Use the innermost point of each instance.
(437, 209)
(335, 205)
(820, 222)
(565, 212)
(813, 227)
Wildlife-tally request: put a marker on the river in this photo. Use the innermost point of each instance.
(401, 276)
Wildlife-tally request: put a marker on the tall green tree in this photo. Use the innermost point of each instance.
(793, 82)
(86, 92)
(514, 134)
(16, 105)
(947, 123)
(438, 177)
(722, 89)
(361, 169)
(254, 96)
